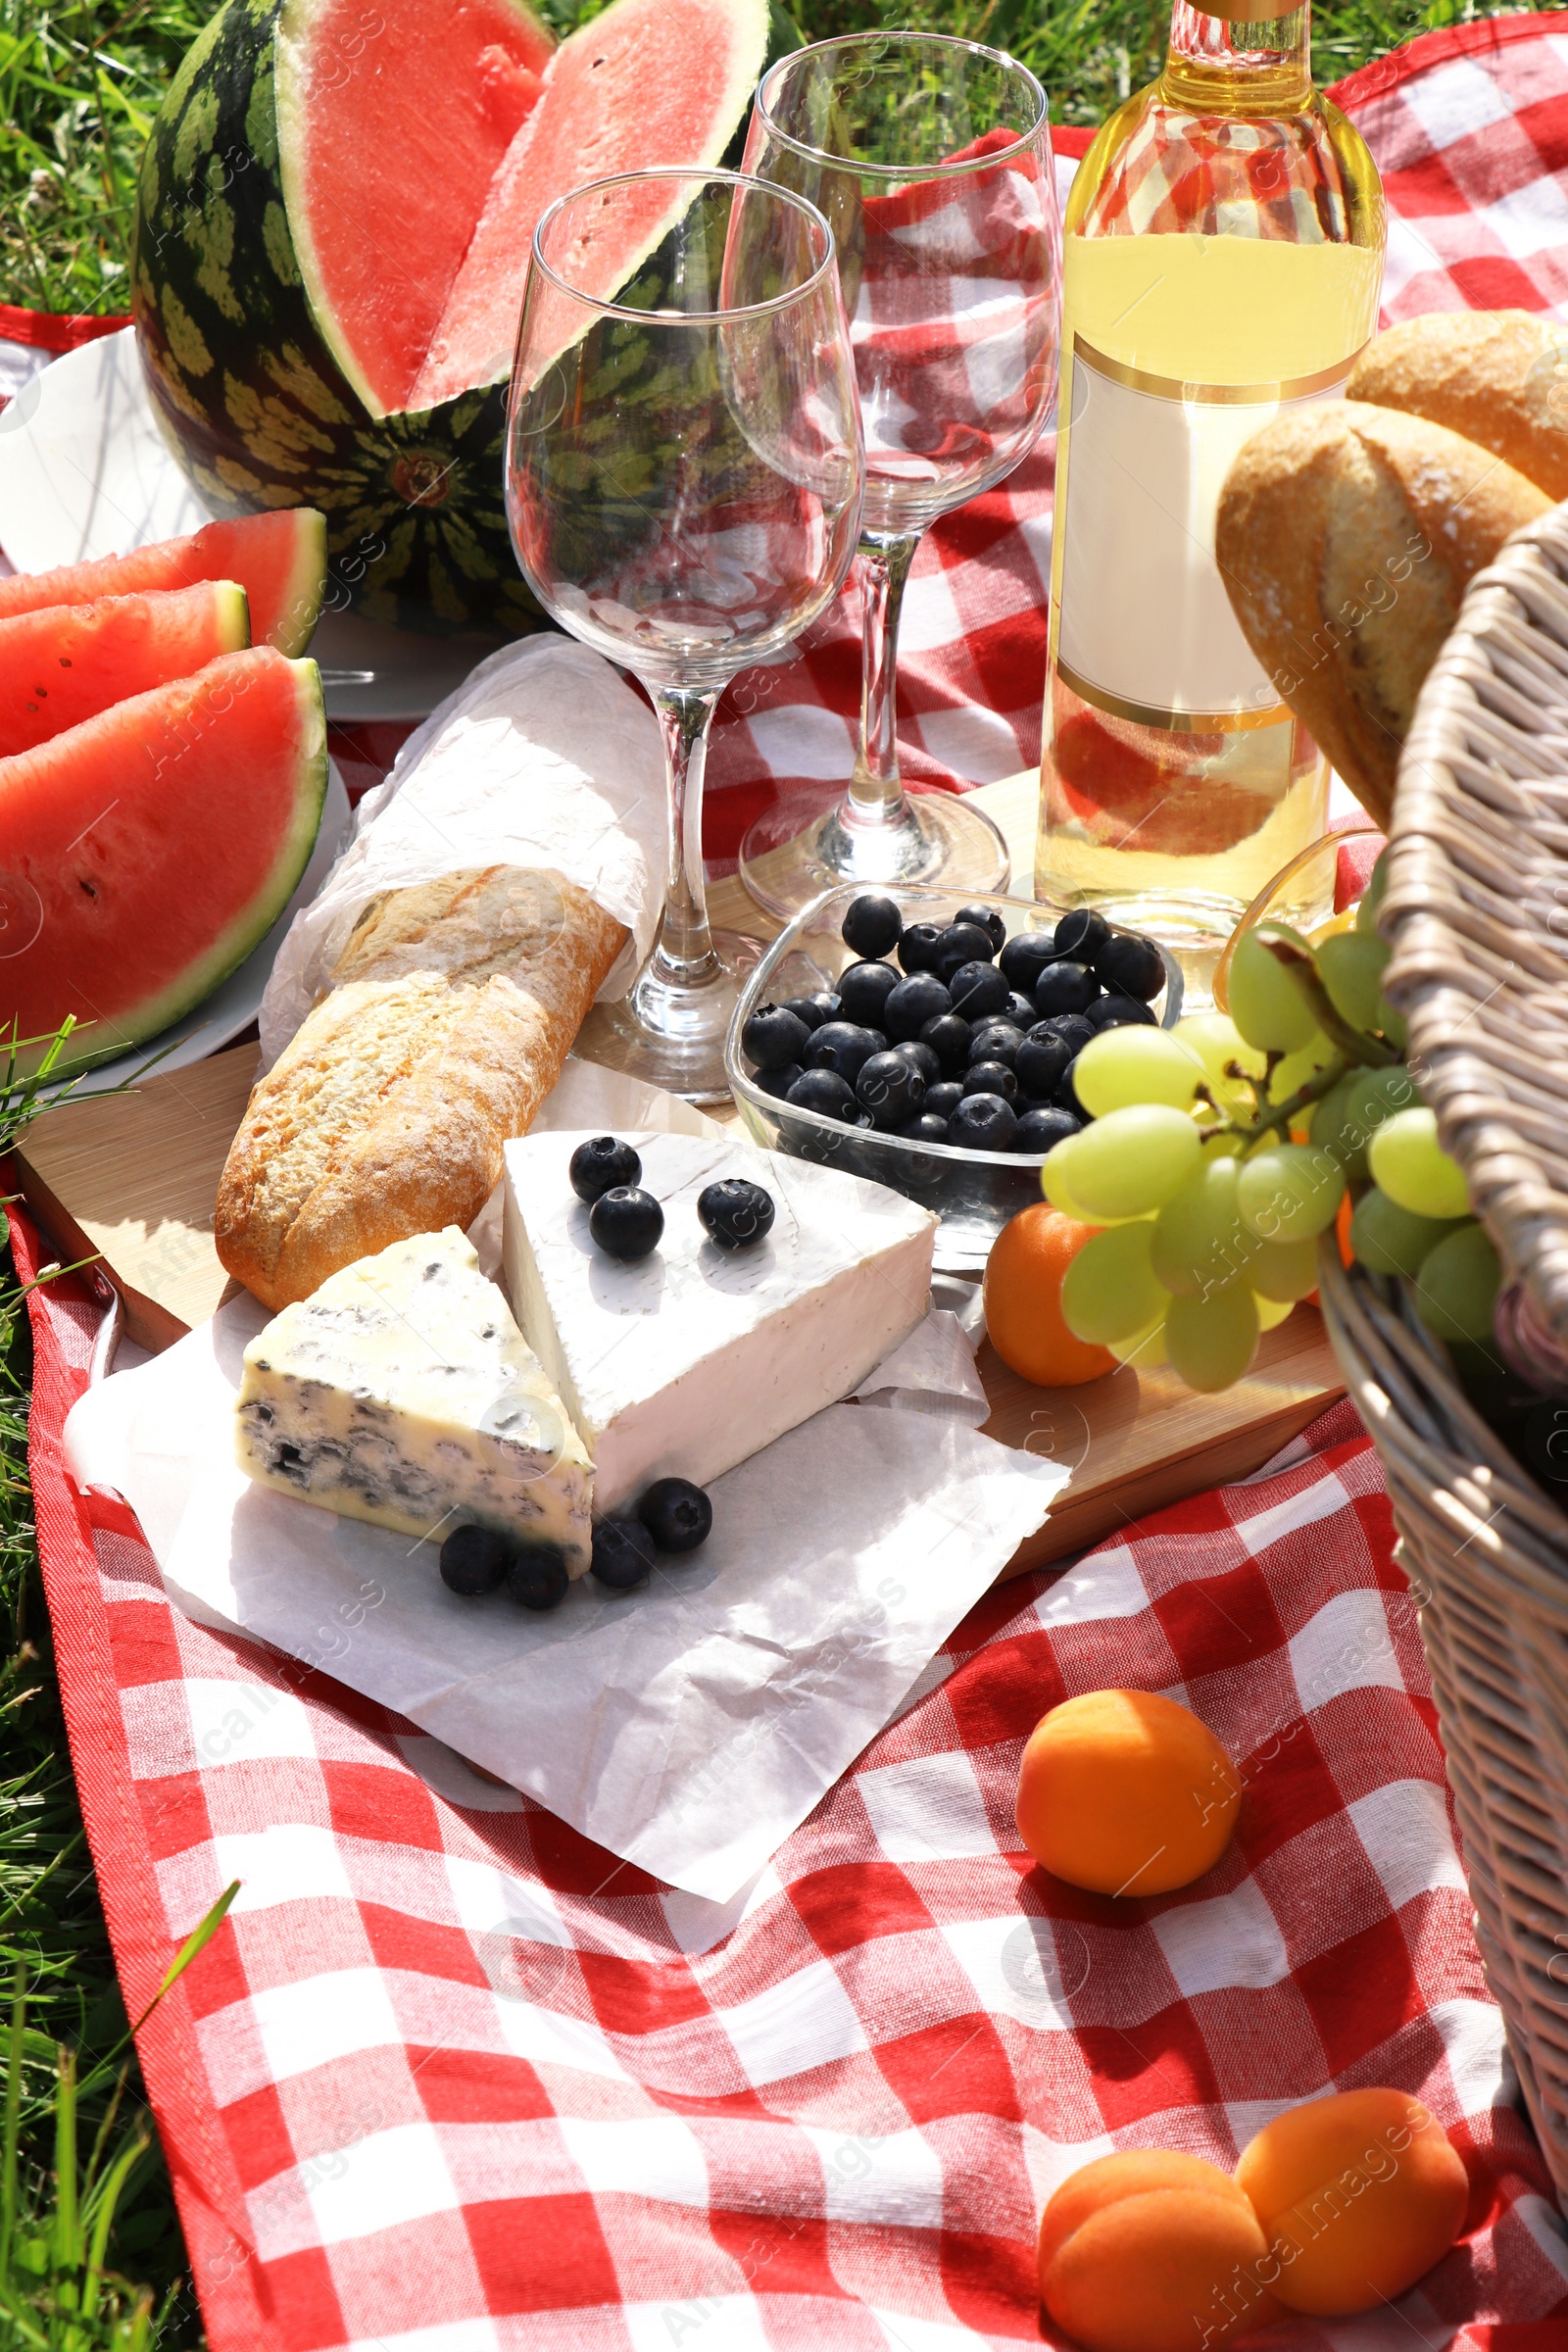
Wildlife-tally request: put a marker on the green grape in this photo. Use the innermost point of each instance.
(1200, 1242)
(1053, 1184)
(1326, 1129)
(1271, 1310)
(1366, 914)
(1110, 1291)
(1218, 1044)
(1128, 1164)
(1211, 1341)
(1410, 1165)
(1267, 1004)
(1456, 1288)
(1144, 1350)
(1282, 1271)
(1289, 1192)
(1309, 1061)
(1124, 1066)
(1389, 1239)
(1393, 1025)
(1365, 1100)
(1350, 966)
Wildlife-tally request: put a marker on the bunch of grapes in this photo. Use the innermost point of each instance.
(1220, 1151)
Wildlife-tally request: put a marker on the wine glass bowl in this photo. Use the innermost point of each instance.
(931, 159)
(683, 485)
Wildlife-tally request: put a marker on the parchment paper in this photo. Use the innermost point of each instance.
(544, 756)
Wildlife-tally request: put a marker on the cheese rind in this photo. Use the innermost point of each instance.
(403, 1393)
(694, 1358)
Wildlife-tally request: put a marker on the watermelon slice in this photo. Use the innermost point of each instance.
(278, 560)
(146, 852)
(66, 662)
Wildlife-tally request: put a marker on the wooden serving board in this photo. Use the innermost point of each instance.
(132, 1177)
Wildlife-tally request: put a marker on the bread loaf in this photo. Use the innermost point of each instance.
(1500, 377)
(1346, 536)
(445, 1024)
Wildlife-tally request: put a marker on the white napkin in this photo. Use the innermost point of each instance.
(544, 756)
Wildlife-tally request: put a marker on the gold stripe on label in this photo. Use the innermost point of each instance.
(1172, 723)
(1167, 388)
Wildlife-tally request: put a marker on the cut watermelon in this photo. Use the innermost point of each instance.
(66, 662)
(146, 852)
(278, 560)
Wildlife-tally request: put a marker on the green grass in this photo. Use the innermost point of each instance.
(79, 89)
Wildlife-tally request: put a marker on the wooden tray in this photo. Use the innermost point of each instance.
(133, 1177)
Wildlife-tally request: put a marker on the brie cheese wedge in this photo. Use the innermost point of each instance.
(403, 1393)
(693, 1358)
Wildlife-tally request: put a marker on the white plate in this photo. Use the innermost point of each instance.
(235, 1004)
(84, 472)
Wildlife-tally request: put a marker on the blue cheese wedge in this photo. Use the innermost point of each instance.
(403, 1393)
(690, 1360)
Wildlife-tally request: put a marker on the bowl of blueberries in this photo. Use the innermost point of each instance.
(927, 1043)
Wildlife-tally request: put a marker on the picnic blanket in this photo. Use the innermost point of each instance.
(451, 2079)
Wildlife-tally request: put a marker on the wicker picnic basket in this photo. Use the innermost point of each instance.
(1477, 910)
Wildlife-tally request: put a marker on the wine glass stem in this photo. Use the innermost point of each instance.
(684, 956)
(876, 794)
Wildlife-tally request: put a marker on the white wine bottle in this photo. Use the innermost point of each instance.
(1223, 259)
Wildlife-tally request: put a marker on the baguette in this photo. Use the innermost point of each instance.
(1347, 536)
(444, 1025)
(1500, 377)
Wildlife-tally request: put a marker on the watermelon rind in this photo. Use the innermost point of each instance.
(300, 608)
(249, 392)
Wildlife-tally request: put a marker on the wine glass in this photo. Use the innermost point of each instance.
(684, 470)
(931, 157)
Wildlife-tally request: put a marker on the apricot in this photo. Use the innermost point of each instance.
(1359, 2193)
(1022, 1299)
(1125, 1793)
(1151, 2251)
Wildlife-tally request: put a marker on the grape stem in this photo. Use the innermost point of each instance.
(1305, 1097)
(1353, 1044)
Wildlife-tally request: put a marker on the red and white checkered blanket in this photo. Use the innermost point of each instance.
(450, 2079)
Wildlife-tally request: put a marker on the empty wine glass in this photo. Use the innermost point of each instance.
(931, 157)
(683, 485)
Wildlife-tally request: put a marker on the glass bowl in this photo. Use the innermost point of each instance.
(972, 1192)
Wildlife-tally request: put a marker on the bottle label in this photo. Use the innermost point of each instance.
(1146, 630)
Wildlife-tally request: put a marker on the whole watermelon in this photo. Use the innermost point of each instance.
(242, 377)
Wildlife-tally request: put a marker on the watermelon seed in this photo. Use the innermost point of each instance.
(65, 662)
(87, 887)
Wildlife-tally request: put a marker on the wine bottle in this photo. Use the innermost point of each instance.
(1224, 248)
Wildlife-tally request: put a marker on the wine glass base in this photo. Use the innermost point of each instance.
(938, 838)
(674, 1036)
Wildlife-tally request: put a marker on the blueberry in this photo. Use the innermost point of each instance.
(919, 947)
(601, 1163)
(872, 925)
(891, 1088)
(927, 1128)
(1119, 1012)
(919, 999)
(1081, 933)
(1066, 988)
(948, 1037)
(987, 919)
(1044, 1128)
(962, 943)
(1041, 1062)
(772, 1038)
(863, 990)
(978, 989)
(989, 1078)
(626, 1222)
(623, 1553)
(537, 1578)
(983, 1123)
(827, 1093)
(1020, 1009)
(1025, 958)
(474, 1560)
(735, 1212)
(841, 1046)
(777, 1083)
(941, 1102)
(995, 1041)
(827, 1005)
(1131, 964)
(1066, 1095)
(676, 1514)
(810, 1010)
(921, 1057)
(1072, 1027)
